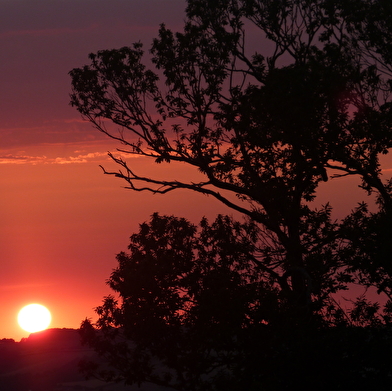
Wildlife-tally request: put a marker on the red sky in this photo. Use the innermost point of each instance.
(62, 220)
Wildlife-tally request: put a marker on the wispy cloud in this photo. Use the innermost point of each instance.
(82, 158)
(28, 159)
(79, 157)
(21, 159)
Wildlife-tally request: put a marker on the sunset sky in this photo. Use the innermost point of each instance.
(62, 220)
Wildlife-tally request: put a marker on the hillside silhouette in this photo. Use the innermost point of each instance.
(48, 361)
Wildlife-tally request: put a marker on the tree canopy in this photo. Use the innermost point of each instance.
(198, 308)
(264, 123)
(320, 100)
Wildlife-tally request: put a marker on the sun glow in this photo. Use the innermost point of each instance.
(34, 317)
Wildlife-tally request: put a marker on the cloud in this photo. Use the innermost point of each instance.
(21, 159)
(78, 157)
(82, 158)
(28, 159)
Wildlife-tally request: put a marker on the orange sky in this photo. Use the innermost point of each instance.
(63, 221)
(62, 225)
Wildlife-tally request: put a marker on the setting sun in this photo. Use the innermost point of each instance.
(34, 317)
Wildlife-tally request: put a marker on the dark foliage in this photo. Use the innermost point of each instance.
(197, 310)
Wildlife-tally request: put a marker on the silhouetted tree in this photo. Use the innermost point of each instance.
(264, 130)
(201, 308)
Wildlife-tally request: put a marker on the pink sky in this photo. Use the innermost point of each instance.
(63, 221)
